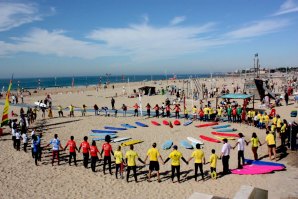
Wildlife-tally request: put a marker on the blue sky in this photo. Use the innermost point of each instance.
(94, 37)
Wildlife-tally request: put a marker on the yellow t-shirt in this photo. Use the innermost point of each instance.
(266, 118)
(219, 111)
(254, 142)
(270, 139)
(71, 108)
(249, 114)
(260, 116)
(253, 113)
(213, 160)
(198, 155)
(118, 157)
(175, 157)
(278, 123)
(194, 110)
(131, 158)
(273, 127)
(153, 154)
(206, 111)
(283, 128)
(211, 111)
(274, 120)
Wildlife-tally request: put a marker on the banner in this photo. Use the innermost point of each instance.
(6, 106)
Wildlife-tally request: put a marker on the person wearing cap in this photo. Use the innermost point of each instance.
(107, 149)
(199, 157)
(270, 140)
(153, 155)
(225, 156)
(175, 156)
(240, 143)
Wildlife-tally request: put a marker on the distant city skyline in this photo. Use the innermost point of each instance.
(51, 38)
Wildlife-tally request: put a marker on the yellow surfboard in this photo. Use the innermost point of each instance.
(131, 142)
(228, 138)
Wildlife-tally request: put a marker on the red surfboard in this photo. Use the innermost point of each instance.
(207, 124)
(155, 123)
(177, 122)
(209, 139)
(165, 122)
(225, 134)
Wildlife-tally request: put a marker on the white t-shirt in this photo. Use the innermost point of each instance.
(32, 133)
(13, 132)
(18, 135)
(241, 144)
(25, 138)
(226, 149)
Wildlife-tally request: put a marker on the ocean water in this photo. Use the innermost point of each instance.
(50, 82)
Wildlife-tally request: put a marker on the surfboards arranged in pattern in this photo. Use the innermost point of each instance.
(221, 138)
(131, 142)
(128, 126)
(141, 124)
(177, 122)
(207, 124)
(209, 139)
(165, 122)
(155, 123)
(186, 144)
(100, 138)
(101, 134)
(103, 131)
(225, 134)
(193, 140)
(226, 130)
(187, 123)
(167, 145)
(115, 128)
(221, 126)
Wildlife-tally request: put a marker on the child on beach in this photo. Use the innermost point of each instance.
(213, 162)
(119, 161)
(255, 143)
(107, 150)
(86, 148)
(25, 141)
(148, 107)
(270, 140)
(84, 110)
(194, 113)
(136, 112)
(93, 153)
(72, 150)
(156, 108)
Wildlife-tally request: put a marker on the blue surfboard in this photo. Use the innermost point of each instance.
(187, 123)
(141, 124)
(128, 126)
(115, 128)
(259, 162)
(186, 144)
(101, 134)
(167, 145)
(221, 126)
(226, 130)
(103, 131)
(103, 137)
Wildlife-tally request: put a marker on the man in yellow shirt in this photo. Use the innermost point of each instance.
(266, 120)
(206, 113)
(131, 156)
(153, 155)
(199, 157)
(271, 144)
(175, 156)
(278, 125)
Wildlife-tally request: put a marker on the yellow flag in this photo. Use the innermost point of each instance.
(6, 106)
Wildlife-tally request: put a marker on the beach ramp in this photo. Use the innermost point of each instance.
(249, 192)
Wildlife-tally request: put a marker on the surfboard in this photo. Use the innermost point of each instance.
(121, 139)
(186, 144)
(103, 131)
(177, 122)
(131, 142)
(209, 139)
(221, 138)
(155, 123)
(40, 104)
(264, 163)
(191, 139)
(103, 137)
(256, 169)
(101, 134)
(115, 128)
(187, 123)
(165, 122)
(221, 126)
(225, 134)
(128, 126)
(141, 124)
(167, 145)
(226, 130)
(207, 124)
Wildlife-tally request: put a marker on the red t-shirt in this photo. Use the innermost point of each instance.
(107, 148)
(168, 108)
(156, 108)
(234, 111)
(85, 146)
(177, 108)
(72, 146)
(93, 151)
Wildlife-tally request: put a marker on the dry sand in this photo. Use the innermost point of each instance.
(20, 178)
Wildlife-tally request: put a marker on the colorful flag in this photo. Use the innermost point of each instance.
(6, 106)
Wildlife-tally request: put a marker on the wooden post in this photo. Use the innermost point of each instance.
(253, 102)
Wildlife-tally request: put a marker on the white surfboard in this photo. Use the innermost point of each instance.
(121, 139)
(193, 140)
(40, 104)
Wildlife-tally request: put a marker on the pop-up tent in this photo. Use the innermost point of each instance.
(147, 90)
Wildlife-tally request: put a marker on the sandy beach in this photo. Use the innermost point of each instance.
(20, 178)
